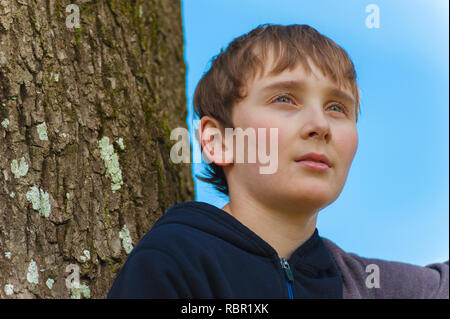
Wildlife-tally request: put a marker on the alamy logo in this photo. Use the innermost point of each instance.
(73, 19)
(77, 289)
(73, 279)
(261, 146)
(373, 19)
(373, 279)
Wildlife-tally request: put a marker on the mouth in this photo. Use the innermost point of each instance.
(315, 161)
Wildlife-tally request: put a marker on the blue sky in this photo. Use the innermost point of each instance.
(395, 204)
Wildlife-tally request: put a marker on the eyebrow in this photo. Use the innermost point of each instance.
(301, 86)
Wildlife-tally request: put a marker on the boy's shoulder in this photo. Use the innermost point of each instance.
(376, 278)
(183, 229)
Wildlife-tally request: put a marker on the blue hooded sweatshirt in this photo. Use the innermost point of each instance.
(196, 250)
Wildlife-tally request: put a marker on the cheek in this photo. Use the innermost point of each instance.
(266, 150)
(275, 131)
(279, 143)
(346, 145)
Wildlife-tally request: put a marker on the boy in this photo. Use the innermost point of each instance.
(264, 242)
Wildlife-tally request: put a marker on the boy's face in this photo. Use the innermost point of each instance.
(310, 117)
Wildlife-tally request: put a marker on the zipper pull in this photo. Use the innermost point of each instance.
(287, 270)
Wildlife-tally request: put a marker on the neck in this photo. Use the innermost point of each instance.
(281, 229)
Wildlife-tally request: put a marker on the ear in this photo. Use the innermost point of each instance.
(212, 141)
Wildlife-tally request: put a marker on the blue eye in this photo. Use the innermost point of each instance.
(341, 107)
(283, 97)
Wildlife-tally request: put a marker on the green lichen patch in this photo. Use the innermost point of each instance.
(111, 161)
(40, 200)
(5, 123)
(9, 289)
(19, 169)
(50, 283)
(86, 256)
(78, 290)
(33, 274)
(127, 244)
(120, 143)
(42, 132)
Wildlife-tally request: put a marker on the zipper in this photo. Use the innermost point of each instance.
(289, 276)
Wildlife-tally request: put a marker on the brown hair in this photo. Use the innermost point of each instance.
(223, 85)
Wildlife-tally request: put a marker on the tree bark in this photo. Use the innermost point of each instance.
(86, 115)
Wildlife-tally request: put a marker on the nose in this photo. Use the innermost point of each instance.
(315, 124)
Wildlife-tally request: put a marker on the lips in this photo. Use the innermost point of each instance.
(315, 157)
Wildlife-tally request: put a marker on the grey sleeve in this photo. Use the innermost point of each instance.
(402, 280)
(440, 284)
(376, 278)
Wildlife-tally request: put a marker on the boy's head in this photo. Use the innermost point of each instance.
(315, 111)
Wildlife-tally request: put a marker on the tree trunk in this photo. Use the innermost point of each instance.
(86, 113)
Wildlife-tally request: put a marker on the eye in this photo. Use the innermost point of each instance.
(341, 108)
(283, 99)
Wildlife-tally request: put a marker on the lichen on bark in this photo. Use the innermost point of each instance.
(121, 75)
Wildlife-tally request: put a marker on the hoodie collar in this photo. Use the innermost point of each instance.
(312, 256)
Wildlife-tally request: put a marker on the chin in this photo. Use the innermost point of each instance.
(313, 195)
